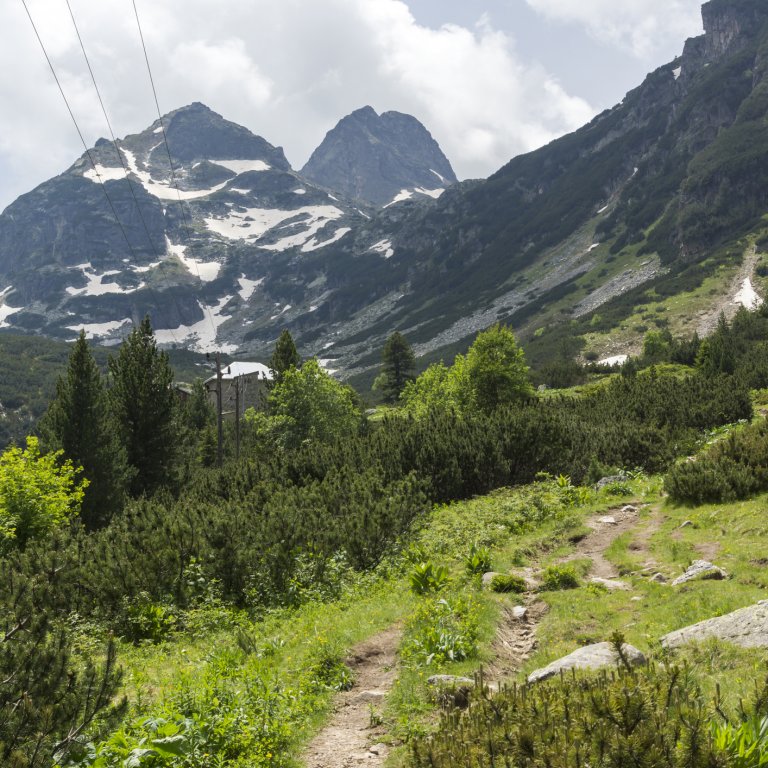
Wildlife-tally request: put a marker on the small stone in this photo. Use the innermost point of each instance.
(686, 523)
(610, 480)
(659, 578)
(371, 696)
(610, 584)
(608, 520)
(700, 569)
(636, 598)
(629, 508)
(519, 611)
(378, 749)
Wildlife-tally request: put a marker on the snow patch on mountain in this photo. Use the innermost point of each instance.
(253, 223)
(96, 285)
(5, 309)
(242, 166)
(247, 287)
(163, 190)
(97, 330)
(313, 245)
(100, 173)
(200, 336)
(205, 270)
(384, 247)
(747, 296)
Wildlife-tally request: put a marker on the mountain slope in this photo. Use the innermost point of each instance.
(639, 219)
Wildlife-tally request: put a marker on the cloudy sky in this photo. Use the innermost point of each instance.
(489, 78)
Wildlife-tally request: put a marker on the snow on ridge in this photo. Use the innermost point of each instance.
(676, 72)
(592, 247)
(247, 287)
(205, 270)
(384, 247)
(203, 332)
(101, 173)
(300, 191)
(94, 330)
(313, 245)
(242, 166)
(159, 129)
(604, 208)
(281, 312)
(747, 296)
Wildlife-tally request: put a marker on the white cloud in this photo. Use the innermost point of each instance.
(640, 27)
(288, 70)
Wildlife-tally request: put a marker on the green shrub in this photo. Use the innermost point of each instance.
(557, 577)
(426, 578)
(653, 717)
(508, 582)
(440, 632)
(478, 560)
(146, 619)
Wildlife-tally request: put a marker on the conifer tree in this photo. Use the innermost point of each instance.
(398, 366)
(79, 422)
(144, 405)
(285, 355)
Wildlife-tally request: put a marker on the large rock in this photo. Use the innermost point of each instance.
(700, 569)
(594, 656)
(747, 627)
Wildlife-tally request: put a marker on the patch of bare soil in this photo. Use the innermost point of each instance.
(606, 528)
(352, 737)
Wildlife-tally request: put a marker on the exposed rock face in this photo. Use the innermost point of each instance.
(590, 657)
(376, 158)
(747, 627)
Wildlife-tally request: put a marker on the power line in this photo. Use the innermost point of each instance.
(82, 139)
(170, 161)
(111, 132)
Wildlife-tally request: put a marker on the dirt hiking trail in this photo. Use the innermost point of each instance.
(351, 739)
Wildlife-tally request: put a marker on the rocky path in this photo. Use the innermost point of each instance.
(516, 635)
(352, 737)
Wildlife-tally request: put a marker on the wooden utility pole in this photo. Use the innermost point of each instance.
(237, 417)
(219, 414)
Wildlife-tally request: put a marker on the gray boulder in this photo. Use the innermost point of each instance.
(747, 627)
(610, 480)
(594, 656)
(700, 569)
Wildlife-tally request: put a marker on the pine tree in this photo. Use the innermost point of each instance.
(285, 355)
(398, 366)
(144, 405)
(79, 422)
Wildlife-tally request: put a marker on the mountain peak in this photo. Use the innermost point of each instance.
(379, 158)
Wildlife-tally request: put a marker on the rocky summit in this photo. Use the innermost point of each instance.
(380, 159)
